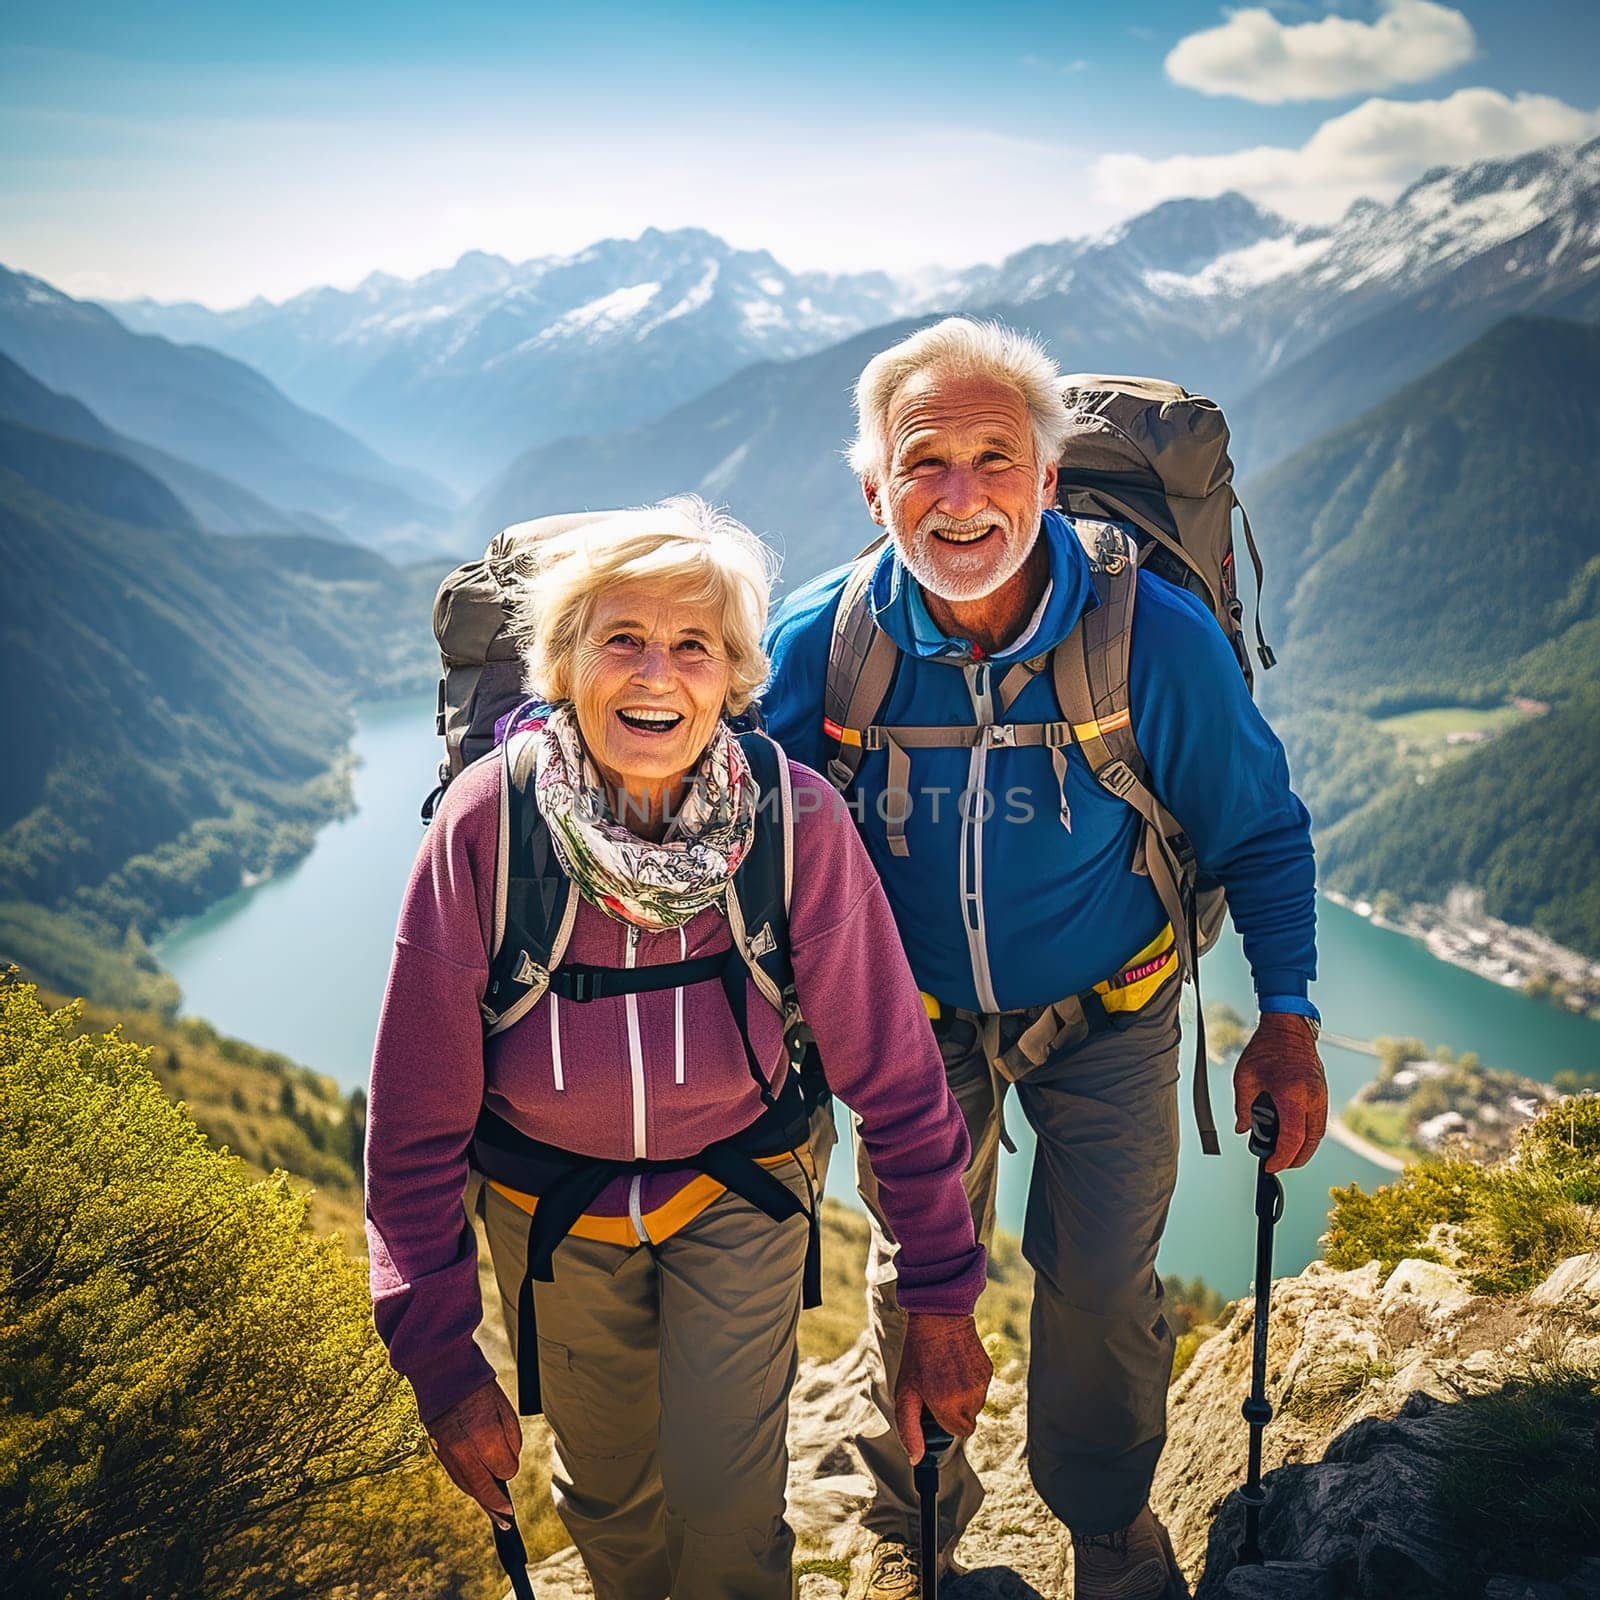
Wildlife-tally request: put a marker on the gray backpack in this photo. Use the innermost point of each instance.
(481, 676)
(1151, 454)
(1142, 454)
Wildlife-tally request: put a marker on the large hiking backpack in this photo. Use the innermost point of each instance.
(1155, 456)
(1145, 456)
(481, 676)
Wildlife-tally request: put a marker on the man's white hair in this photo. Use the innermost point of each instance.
(966, 348)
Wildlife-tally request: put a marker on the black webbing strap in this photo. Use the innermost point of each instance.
(567, 1185)
(1268, 658)
(736, 985)
(1203, 1115)
(552, 1220)
(560, 1208)
(576, 980)
(748, 1179)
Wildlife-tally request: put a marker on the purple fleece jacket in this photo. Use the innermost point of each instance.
(659, 1075)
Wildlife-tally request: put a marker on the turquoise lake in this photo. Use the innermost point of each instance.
(298, 964)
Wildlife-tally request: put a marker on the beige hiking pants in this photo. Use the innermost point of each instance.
(666, 1372)
(1105, 1115)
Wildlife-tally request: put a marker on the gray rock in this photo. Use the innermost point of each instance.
(1366, 1377)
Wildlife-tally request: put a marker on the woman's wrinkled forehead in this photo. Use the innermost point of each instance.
(655, 611)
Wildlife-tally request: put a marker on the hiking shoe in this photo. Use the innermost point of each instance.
(1134, 1563)
(895, 1574)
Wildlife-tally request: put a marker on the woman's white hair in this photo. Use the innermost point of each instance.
(683, 547)
(964, 348)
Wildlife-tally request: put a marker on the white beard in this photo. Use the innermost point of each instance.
(956, 574)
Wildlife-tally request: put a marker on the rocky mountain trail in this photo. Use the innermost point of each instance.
(1426, 1442)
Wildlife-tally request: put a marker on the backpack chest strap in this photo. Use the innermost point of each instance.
(579, 982)
(898, 739)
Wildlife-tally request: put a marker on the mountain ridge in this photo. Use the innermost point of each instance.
(1218, 293)
(204, 407)
(211, 501)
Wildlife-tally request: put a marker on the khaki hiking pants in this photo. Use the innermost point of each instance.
(1105, 1114)
(666, 1372)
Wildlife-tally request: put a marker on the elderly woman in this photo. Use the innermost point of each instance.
(642, 1131)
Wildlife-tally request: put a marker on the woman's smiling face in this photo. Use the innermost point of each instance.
(649, 681)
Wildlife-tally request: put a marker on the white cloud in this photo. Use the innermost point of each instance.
(1257, 57)
(1375, 149)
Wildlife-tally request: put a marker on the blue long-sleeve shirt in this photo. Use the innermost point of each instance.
(1000, 905)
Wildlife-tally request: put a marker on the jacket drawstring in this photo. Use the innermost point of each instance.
(677, 1012)
(555, 1042)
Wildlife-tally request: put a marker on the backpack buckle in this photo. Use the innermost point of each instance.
(1000, 735)
(1110, 549)
(1119, 778)
(529, 971)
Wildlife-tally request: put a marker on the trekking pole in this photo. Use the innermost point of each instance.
(513, 1553)
(1258, 1409)
(925, 1475)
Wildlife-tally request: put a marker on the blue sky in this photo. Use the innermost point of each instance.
(215, 151)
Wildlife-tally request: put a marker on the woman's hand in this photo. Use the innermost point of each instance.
(945, 1368)
(477, 1440)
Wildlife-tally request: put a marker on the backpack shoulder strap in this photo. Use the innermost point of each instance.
(757, 904)
(1090, 673)
(861, 666)
(534, 903)
(760, 890)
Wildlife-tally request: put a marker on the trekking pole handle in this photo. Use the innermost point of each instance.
(936, 1440)
(1263, 1126)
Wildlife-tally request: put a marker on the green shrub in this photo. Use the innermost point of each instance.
(1514, 1221)
(1393, 1222)
(196, 1401)
(1523, 1222)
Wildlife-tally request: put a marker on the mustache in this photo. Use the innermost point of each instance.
(942, 522)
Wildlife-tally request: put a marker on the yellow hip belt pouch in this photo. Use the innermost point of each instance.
(1047, 1029)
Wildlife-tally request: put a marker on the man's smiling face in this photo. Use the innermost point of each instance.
(961, 491)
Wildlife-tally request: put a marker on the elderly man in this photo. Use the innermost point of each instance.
(1020, 889)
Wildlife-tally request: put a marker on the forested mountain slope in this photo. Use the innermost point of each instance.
(1440, 641)
(177, 704)
(212, 501)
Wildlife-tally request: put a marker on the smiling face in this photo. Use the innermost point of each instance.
(962, 491)
(649, 681)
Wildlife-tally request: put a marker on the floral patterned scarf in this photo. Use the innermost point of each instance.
(650, 885)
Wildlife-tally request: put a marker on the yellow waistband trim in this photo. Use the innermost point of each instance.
(665, 1220)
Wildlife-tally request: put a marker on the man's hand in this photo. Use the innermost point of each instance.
(945, 1368)
(477, 1440)
(1281, 1060)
